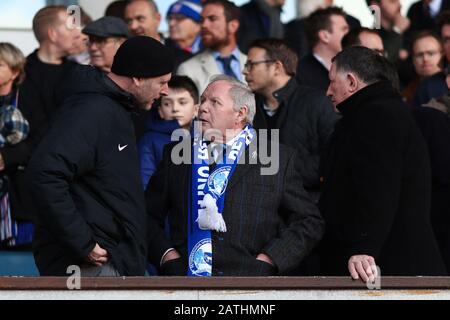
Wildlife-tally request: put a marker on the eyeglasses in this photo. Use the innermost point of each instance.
(249, 64)
(99, 41)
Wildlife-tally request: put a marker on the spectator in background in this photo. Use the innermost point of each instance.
(143, 18)
(376, 199)
(220, 22)
(116, 9)
(423, 14)
(393, 25)
(304, 116)
(260, 19)
(177, 110)
(14, 128)
(442, 103)
(81, 50)
(370, 38)
(295, 33)
(324, 29)
(365, 37)
(427, 57)
(106, 35)
(436, 85)
(183, 18)
(44, 69)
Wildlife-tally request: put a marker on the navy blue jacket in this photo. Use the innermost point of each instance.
(151, 145)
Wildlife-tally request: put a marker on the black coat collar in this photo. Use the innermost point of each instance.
(375, 91)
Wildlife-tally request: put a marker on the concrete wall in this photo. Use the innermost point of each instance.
(336, 294)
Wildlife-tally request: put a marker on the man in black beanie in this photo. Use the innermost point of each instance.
(84, 177)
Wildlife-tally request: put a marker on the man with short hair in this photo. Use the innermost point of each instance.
(84, 177)
(143, 18)
(377, 180)
(219, 22)
(226, 217)
(105, 37)
(392, 28)
(44, 69)
(304, 116)
(435, 86)
(324, 29)
(365, 37)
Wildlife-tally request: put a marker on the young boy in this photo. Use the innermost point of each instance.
(177, 110)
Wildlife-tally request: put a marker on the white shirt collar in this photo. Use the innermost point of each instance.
(435, 6)
(322, 61)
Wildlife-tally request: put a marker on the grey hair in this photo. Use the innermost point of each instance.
(240, 93)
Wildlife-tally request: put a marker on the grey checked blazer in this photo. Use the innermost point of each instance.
(269, 214)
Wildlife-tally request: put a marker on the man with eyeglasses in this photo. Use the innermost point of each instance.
(436, 85)
(105, 37)
(303, 115)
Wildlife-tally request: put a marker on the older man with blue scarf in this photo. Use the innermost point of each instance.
(226, 215)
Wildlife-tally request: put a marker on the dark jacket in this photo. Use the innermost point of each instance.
(295, 34)
(312, 73)
(151, 145)
(255, 23)
(38, 105)
(84, 180)
(305, 119)
(269, 214)
(376, 199)
(431, 87)
(421, 19)
(435, 127)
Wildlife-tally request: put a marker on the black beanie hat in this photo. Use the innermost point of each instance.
(143, 57)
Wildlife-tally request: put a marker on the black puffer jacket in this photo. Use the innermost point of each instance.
(84, 180)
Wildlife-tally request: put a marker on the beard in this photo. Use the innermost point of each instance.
(215, 43)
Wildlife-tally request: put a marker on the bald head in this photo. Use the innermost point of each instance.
(143, 18)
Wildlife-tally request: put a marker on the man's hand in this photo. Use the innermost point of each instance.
(98, 256)
(264, 257)
(171, 255)
(362, 266)
(401, 23)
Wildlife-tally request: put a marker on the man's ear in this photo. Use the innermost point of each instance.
(136, 81)
(51, 34)
(279, 68)
(353, 82)
(233, 26)
(324, 36)
(242, 114)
